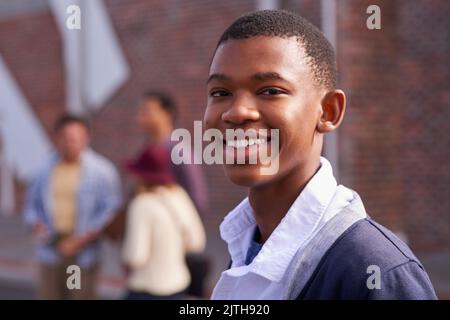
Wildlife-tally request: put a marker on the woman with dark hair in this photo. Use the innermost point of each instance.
(162, 227)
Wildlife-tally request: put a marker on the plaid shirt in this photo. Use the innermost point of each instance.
(98, 198)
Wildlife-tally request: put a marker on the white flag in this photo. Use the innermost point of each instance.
(25, 143)
(94, 63)
(7, 194)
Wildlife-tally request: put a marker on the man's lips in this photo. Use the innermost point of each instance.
(246, 151)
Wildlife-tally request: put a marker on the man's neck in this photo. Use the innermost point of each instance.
(70, 162)
(271, 202)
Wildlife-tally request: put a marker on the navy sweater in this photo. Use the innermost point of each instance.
(343, 271)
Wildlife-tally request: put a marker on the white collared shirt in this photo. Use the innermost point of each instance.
(266, 276)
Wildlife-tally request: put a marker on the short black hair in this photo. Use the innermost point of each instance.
(284, 24)
(66, 119)
(165, 100)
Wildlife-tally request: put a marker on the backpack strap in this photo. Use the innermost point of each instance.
(306, 262)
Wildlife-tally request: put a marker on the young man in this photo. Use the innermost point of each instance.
(298, 235)
(69, 203)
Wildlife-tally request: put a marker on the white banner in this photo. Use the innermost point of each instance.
(94, 63)
(7, 192)
(25, 143)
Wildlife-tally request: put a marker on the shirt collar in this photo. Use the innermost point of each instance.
(84, 155)
(295, 228)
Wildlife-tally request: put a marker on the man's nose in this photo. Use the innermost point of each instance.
(240, 111)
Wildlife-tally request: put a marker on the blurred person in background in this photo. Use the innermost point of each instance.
(162, 227)
(68, 204)
(156, 117)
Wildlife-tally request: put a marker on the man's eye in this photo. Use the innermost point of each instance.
(219, 93)
(271, 92)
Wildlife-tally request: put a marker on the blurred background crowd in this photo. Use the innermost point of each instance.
(135, 71)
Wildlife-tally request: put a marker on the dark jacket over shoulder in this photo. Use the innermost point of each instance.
(368, 262)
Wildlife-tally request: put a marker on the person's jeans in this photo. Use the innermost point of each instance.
(53, 282)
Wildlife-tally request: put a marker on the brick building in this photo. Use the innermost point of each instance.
(392, 144)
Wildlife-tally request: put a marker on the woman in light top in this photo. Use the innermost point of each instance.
(162, 227)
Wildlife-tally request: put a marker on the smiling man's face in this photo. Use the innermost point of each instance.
(266, 83)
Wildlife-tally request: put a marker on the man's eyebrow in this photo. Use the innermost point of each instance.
(262, 76)
(217, 76)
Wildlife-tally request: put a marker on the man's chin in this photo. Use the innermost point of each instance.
(246, 175)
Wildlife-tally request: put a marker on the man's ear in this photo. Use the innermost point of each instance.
(333, 109)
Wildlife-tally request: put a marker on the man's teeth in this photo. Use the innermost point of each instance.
(245, 143)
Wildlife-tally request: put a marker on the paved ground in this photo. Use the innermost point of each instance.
(18, 267)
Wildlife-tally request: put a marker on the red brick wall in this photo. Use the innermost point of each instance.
(424, 60)
(393, 144)
(31, 48)
(369, 138)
